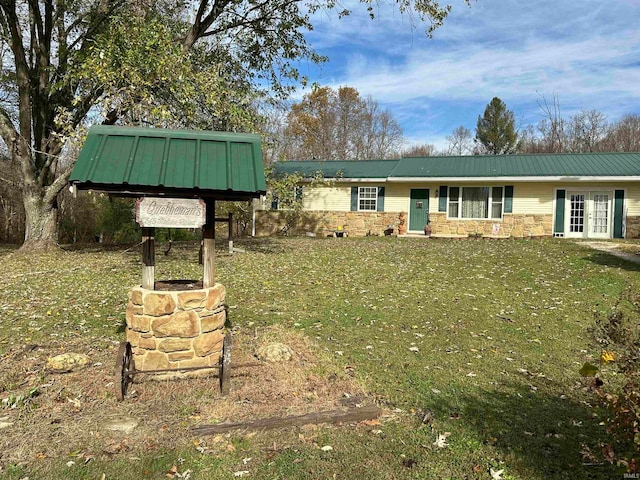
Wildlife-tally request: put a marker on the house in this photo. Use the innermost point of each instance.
(587, 195)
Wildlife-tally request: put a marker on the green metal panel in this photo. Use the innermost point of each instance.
(579, 164)
(560, 198)
(508, 199)
(338, 169)
(380, 203)
(618, 214)
(442, 198)
(175, 162)
(419, 208)
(478, 166)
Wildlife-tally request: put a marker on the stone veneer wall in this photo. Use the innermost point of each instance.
(633, 227)
(513, 225)
(375, 223)
(176, 329)
(270, 222)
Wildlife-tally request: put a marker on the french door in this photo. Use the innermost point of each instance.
(588, 214)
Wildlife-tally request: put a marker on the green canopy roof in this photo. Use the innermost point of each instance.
(177, 163)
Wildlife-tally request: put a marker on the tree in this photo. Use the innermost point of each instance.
(460, 141)
(424, 150)
(66, 64)
(496, 130)
(341, 125)
(587, 130)
(624, 135)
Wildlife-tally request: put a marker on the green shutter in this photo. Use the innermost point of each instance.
(354, 199)
(618, 214)
(442, 200)
(559, 226)
(380, 199)
(508, 199)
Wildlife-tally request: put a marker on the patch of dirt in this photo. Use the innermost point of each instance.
(63, 415)
(626, 251)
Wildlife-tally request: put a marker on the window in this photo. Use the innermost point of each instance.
(454, 202)
(288, 201)
(475, 202)
(367, 199)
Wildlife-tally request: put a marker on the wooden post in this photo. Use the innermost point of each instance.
(148, 258)
(209, 244)
(229, 233)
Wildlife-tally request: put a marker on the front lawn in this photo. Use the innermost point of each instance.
(472, 348)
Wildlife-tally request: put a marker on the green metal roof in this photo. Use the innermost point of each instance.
(139, 161)
(339, 169)
(542, 165)
(477, 166)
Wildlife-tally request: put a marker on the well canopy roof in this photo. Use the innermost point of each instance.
(178, 163)
(576, 165)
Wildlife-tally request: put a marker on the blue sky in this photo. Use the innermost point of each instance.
(586, 52)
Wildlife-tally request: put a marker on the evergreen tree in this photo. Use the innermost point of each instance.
(496, 130)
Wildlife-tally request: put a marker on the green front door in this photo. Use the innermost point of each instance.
(419, 209)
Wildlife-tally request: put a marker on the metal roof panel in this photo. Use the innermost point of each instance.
(476, 166)
(121, 160)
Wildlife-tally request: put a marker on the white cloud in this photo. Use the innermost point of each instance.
(583, 51)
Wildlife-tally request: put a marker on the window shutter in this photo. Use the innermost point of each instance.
(618, 214)
(354, 199)
(442, 200)
(298, 192)
(508, 199)
(274, 203)
(559, 225)
(380, 199)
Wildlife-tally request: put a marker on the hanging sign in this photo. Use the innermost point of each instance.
(170, 212)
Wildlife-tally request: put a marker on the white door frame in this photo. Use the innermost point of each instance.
(582, 213)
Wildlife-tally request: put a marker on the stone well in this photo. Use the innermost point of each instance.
(172, 329)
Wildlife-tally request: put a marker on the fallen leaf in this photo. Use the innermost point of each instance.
(588, 370)
(327, 448)
(496, 474)
(441, 441)
(241, 473)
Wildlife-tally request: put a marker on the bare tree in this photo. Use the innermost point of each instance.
(624, 135)
(423, 150)
(552, 127)
(586, 131)
(460, 141)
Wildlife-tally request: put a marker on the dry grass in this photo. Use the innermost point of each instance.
(73, 408)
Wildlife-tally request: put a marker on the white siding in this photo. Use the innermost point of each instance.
(533, 198)
(335, 198)
(397, 196)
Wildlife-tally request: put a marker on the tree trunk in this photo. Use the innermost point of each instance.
(40, 222)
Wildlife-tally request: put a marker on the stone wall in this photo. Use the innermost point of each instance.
(513, 225)
(176, 329)
(633, 227)
(323, 222)
(375, 223)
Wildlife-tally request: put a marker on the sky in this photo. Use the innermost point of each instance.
(586, 53)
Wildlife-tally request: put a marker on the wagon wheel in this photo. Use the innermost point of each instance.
(124, 365)
(225, 366)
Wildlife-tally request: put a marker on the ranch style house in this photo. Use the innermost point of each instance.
(586, 195)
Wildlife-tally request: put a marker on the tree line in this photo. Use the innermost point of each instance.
(202, 64)
(339, 124)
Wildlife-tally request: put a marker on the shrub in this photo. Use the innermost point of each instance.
(617, 335)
